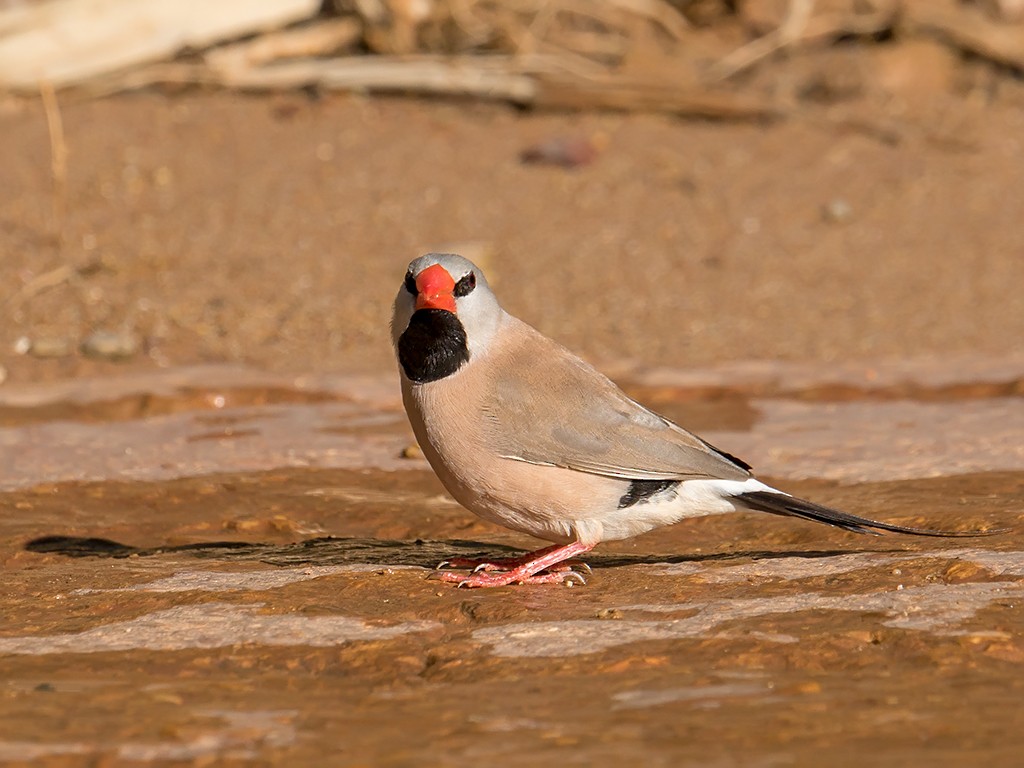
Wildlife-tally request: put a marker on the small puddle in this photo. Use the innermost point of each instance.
(212, 625)
(707, 696)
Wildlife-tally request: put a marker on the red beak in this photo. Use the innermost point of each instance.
(434, 289)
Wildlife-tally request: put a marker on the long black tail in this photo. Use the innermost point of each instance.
(781, 504)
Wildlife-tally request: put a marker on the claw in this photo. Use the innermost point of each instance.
(475, 564)
(570, 579)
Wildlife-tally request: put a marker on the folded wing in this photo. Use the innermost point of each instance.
(552, 408)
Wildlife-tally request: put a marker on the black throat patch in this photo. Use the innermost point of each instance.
(433, 346)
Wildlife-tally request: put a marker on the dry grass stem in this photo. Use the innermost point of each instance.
(788, 32)
(58, 159)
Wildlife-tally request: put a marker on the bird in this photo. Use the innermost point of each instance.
(525, 434)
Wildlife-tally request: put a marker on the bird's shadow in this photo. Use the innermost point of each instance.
(331, 550)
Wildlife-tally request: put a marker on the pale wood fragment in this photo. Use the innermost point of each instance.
(70, 41)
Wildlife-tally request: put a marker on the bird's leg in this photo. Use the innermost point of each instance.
(508, 563)
(529, 571)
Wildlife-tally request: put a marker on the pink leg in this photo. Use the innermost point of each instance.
(529, 571)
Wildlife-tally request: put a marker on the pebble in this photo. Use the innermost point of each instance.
(110, 345)
(50, 347)
(562, 151)
(412, 451)
(837, 211)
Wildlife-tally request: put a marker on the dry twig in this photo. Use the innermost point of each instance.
(789, 31)
(323, 38)
(801, 27)
(658, 11)
(541, 81)
(58, 159)
(629, 95)
(966, 28)
(495, 78)
(40, 283)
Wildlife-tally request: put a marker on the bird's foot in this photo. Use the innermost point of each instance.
(503, 578)
(551, 565)
(567, 566)
(508, 564)
(511, 563)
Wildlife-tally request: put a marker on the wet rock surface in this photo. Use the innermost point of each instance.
(251, 582)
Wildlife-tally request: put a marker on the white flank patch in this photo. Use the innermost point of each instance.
(713, 497)
(691, 498)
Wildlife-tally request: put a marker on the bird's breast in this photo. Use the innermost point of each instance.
(543, 501)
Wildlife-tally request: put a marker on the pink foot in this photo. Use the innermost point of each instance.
(504, 578)
(511, 563)
(545, 566)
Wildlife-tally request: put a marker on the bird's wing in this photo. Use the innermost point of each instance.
(546, 406)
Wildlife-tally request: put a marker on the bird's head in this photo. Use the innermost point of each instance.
(444, 316)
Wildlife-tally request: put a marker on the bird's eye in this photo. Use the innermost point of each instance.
(410, 283)
(465, 285)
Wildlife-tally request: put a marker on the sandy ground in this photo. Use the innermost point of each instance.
(275, 231)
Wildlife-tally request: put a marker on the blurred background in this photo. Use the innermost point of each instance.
(793, 226)
(659, 182)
